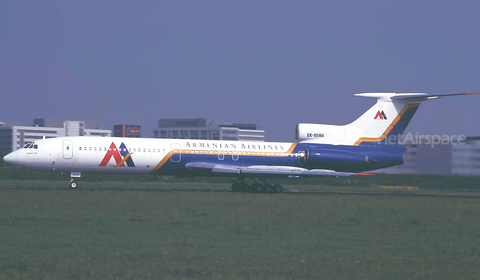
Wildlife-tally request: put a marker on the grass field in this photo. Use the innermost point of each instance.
(147, 230)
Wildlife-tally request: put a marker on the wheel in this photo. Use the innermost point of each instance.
(256, 188)
(277, 188)
(73, 184)
(267, 188)
(236, 187)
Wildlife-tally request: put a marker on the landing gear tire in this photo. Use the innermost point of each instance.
(268, 188)
(256, 188)
(236, 187)
(73, 184)
(277, 189)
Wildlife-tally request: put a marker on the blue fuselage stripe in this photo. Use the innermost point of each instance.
(336, 157)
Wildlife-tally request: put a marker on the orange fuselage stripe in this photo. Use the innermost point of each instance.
(206, 152)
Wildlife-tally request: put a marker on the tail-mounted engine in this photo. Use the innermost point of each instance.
(307, 131)
(330, 159)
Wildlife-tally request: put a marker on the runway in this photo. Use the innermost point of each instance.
(474, 194)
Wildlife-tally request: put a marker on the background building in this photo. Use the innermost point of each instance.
(14, 136)
(127, 130)
(441, 159)
(207, 129)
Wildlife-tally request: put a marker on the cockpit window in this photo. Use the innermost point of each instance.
(27, 146)
(30, 145)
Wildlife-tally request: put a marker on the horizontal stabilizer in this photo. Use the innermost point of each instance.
(409, 97)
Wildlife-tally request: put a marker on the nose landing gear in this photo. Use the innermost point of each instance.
(73, 184)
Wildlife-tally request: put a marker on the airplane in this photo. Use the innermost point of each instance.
(368, 143)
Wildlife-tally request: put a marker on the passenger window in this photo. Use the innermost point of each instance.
(35, 146)
(79, 148)
(90, 148)
(95, 149)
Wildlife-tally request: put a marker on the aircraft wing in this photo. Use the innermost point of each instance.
(264, 170)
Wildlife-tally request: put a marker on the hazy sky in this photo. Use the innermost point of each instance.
(273, 63)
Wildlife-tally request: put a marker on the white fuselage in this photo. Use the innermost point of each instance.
(111, 154)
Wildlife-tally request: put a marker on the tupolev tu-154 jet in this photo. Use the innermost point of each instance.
(368, 143)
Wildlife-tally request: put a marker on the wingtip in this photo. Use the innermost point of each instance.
(365, 174)
(466, 93)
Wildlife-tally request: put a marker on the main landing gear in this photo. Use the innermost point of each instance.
(255, 187)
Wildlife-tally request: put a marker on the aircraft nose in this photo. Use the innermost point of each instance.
(11, 158)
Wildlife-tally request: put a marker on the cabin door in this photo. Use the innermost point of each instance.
(175, 152)
(67, 149)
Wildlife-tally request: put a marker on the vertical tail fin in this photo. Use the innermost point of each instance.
(389, 117)
(386, 118)
(383, 122)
